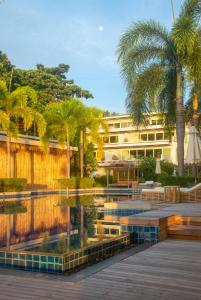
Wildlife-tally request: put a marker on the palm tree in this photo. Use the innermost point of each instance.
(62, 120)
(14, 106)
(153, 66)
(89, 122)
(187, 39)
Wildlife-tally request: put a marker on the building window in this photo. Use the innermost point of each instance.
(133, 154)
(157, 122)
(125, 154)
(124, 125)
(114, 139)
(106, 231)
(143, 137)
(140, 153)
(159, 136)
(166, 136)
(151, 137)
(114, 231)
(153, 122)
(149, 153)
(114, 125)
(157, 153)
(105, 139)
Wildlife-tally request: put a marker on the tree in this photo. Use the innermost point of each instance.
(14, 106)
(50, 84)
(89, 122)
(62, 123)
(188, 45)
(153, 67)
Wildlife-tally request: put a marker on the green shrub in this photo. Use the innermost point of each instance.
(167, 167)
(147, 167)
(182, 181)
(76, 183)
(101, 181)
(12, 184)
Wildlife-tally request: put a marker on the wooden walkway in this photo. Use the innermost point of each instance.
(168, 270)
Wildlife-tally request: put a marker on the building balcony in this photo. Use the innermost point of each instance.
(136, 144)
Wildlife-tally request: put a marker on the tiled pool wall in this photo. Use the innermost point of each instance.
(123, 212)
(52, 263)
(91, 254)
(143, 234)
(32, 262)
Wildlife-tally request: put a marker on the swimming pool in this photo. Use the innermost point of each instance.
(58, 234)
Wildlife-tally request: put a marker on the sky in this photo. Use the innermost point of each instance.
(81, 33)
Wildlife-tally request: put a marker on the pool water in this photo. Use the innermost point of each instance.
(56, 226)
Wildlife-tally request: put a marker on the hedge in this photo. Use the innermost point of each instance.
(12, 184)
(182, 181)
(101, 181)
(76, 183)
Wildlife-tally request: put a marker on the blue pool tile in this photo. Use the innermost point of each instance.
(43, 258)
(50, 259)
(147, 229)
(43, 266)
(35, 257)
(29, 257)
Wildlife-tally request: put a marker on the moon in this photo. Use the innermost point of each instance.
(100, 28)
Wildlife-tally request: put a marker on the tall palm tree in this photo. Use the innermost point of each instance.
(62, 123)
(188, 43)
(153, 66)
(14, 106)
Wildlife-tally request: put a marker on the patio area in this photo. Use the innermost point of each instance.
(168, 270)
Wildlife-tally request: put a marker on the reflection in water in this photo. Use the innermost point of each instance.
(11, 209)
(56, 224)
(48, 224)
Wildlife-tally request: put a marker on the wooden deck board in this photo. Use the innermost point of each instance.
(168, 270)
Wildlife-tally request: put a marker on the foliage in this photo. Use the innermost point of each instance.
(62, 119)
(50, 83)
(153, 64)
(12, 207)
(90, 162)
(108, 113)
(76, 183)
(147, 167)
(16, 106)
(77, 201)
(101, 181)
(182, 181)
(167, 167)
(12, 184)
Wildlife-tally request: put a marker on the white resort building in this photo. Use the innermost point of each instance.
(125, 141)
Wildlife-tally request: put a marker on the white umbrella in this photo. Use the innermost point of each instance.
(158, 166)
(193, 154)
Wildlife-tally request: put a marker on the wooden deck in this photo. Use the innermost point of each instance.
(168, 270)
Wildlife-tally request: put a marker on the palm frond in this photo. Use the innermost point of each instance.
(191, 8)
(167, 96)
(145, 89)
(185, 35)
(4, 120)
(148, 32)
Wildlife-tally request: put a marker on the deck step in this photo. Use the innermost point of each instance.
(195, 221)
(185, 232)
